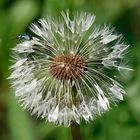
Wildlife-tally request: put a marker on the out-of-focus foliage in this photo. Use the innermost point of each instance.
(122, 122)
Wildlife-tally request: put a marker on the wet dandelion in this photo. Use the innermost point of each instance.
(60, 73)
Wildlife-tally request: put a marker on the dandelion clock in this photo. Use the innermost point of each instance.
(62, 71)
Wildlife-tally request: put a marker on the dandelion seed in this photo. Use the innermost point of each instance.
(60, 72)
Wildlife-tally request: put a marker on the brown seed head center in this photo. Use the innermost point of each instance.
(67, 66)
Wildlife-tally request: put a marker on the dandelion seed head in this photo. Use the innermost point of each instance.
(60, 74)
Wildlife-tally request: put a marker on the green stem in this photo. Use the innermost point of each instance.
(75, 130)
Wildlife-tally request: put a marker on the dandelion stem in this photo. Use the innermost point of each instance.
(75, 130)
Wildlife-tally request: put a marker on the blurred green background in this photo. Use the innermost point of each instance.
(120, 123)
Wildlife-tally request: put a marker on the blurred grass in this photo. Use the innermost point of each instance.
(122, 122)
